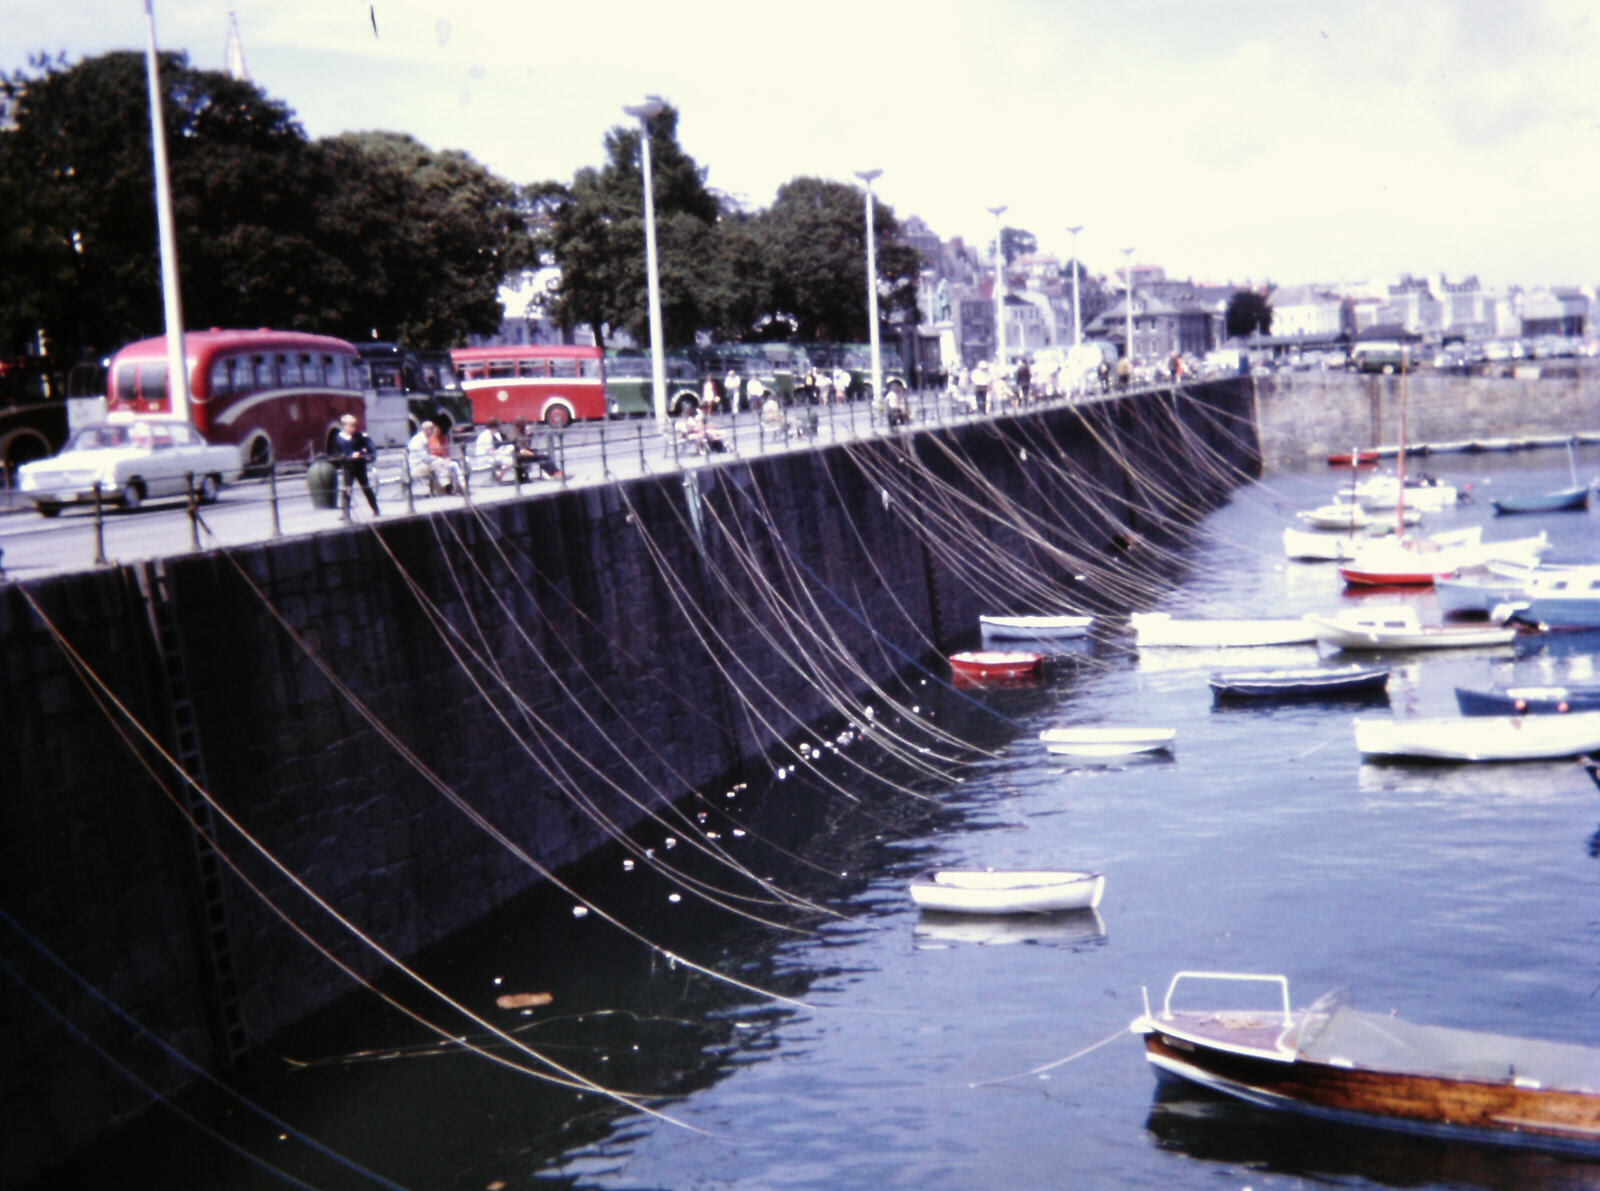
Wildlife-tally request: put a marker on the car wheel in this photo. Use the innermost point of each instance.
(48, 508)
(210, 489)
(557, 417)
(132, 494)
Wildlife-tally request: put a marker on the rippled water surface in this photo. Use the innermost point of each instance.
(939, 1054)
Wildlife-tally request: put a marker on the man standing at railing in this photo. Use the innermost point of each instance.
(350, 450)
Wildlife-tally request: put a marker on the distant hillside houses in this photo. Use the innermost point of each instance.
(956, 301)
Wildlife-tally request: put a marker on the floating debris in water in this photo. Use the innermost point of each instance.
(523, 1000)
(627, 866)
(580, 911)
(674, 897)
(670, 842)
(738, 831)
(498, 979)
(868, 711)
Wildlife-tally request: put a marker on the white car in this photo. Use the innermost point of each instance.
(132, 462)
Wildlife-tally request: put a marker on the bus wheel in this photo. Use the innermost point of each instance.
(558, 417)
(258, 456)
(210, 489)
(132, 494)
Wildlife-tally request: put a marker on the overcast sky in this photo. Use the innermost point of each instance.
(1227, 140)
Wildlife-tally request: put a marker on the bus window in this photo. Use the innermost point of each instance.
(589, 369)
(263, 373)
(288, 369)
(222, 377)
(502, 368)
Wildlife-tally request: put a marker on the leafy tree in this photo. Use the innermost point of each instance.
(815, 241)
(594, 230)
(1015, 242)
(352, 235)
(1248, 313)
(80, 252)
(422, 239)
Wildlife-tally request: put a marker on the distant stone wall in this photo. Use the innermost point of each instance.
(1304, 416)
(493, 656)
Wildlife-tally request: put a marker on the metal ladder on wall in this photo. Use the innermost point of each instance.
(213, 941)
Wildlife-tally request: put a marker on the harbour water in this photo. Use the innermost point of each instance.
(910, 1052)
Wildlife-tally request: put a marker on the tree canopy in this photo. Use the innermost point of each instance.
(355, 235)
(1015, 242)
(1248, 313)
(795, 268)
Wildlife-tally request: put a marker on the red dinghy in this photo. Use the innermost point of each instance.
(1366, 458)
(995, 665)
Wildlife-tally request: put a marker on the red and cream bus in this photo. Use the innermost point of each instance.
(550, 383)
(276, 394)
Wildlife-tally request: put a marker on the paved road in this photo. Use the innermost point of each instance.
(34, 546)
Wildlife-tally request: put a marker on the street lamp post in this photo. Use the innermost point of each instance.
(658, 369)
(999, 300)
(868, 176)
(1077, 318)
(1127, 301)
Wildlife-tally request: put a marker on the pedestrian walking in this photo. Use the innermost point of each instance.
(350, 450)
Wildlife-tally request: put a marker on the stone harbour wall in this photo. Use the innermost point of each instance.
(414, 719)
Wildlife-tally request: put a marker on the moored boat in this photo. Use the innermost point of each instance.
(1559, 599)
(1162, 629)
(1336, 1063)
(1480, 737)
(1528, 700)
(1318, 682)
(1366, 457)
(1421, 562)
(1035, 628)
(1560, 501)
(1397, 626)
(1006, 891)
(995, 665)
(1108, 741)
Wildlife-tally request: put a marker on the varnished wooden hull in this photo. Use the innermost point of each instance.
(1496, 1112)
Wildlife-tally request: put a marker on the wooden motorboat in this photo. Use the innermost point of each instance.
(1317, 682)
(1152, 629)
(1108, 741)
(995, 665)
(1397, 626)
(1006, 891)
(1035, 628)
(1336, 1063)
(1528, 700)
(1480, 737)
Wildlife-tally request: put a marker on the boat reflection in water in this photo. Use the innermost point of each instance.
(1072, 928)
(1210, 1127)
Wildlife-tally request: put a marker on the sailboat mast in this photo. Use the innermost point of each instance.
(177, 367)
(1400, 499)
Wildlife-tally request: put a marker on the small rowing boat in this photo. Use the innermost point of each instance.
(995, 665)
(1336, 1063)
(1528, 700)
(1034, 628)
(1108, 741)
(1003, 891)
(1313, 682)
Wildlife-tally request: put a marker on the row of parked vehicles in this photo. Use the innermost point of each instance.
(259, 397)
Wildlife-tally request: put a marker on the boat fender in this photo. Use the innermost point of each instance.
(1562, 707)
(1521, 705)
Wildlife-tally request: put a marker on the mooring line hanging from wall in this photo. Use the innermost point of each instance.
(124, 722)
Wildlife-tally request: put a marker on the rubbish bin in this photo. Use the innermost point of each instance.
(322, 481)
